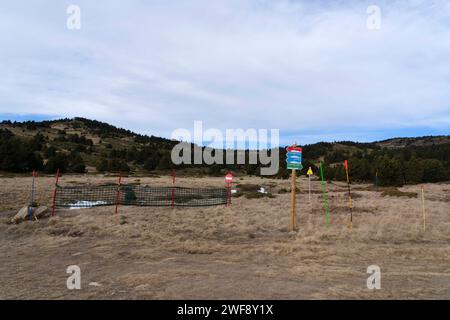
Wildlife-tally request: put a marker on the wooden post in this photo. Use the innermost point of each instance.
(119, 183)
(54, 193)
(350, 202)
(423, 209)
(293, 224)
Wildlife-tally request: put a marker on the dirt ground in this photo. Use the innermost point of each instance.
(239, 252)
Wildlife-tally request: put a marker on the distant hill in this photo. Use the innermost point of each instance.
(413, 142)
(81, 145)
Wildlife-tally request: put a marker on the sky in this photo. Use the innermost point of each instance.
(315, 70)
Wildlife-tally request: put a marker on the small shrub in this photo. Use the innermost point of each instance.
(248, 187)
(394, 192)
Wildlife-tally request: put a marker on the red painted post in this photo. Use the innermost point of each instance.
(229, 181)
(229, 194)
(54, 193)
(173, 187)
(119, 183)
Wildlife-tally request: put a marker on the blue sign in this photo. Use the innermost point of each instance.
(294, 157)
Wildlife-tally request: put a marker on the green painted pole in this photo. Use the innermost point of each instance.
(324, 195)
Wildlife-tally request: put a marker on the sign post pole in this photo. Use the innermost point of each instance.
(293, 212)
(294, 163)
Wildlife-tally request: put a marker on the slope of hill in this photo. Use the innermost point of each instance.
(79, 145)
(413, 142)
(74, 144)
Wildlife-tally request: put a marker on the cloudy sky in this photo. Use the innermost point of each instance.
(312, 69)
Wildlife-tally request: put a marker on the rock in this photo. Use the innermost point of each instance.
(21, 215)
(95, 284)
(41, 211)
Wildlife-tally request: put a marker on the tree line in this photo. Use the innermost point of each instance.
(70, 152)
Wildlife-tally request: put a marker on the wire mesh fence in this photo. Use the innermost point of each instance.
(138, 195)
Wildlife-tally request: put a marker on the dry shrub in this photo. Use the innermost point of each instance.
(394, 192)
(248, 187)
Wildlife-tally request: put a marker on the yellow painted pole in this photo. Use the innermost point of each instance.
(309, 188)
(423, 209)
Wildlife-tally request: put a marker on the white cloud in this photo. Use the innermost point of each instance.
(154, 66)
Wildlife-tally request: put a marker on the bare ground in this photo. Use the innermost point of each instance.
(240, 252)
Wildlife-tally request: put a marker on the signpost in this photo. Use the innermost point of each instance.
(228, 181)
(294, 162)
(309, 173)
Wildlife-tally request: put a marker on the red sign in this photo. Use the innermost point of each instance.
(294, 149)
(229, 177)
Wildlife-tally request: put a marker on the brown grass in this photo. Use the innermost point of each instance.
(243, 251)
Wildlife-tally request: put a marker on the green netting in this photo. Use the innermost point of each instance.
(138, 195)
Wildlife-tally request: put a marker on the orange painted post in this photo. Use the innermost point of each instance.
(54, 192)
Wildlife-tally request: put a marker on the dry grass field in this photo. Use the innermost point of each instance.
(239, 252)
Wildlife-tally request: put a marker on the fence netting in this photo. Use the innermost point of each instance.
(138, 195)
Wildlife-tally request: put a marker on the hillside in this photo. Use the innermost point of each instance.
(413, 142)
(99, 146)
(81, 145)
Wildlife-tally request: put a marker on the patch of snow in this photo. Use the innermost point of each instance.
(85, 204)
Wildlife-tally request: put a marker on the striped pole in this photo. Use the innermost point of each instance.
(54, 192)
